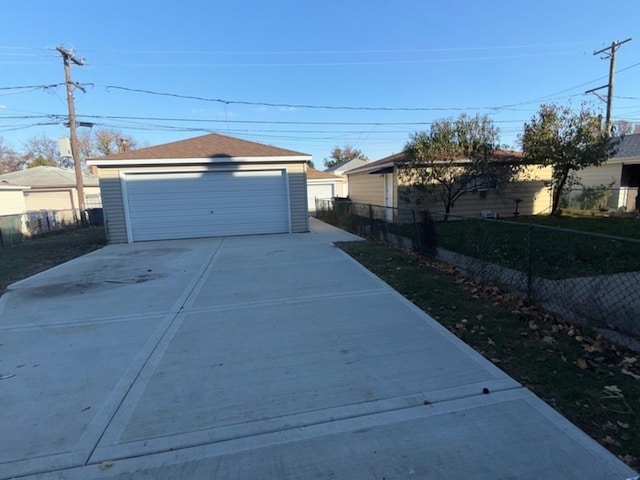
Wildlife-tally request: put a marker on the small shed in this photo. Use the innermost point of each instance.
(208, 186)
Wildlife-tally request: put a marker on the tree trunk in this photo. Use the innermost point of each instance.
(557, 193)
(447, 209)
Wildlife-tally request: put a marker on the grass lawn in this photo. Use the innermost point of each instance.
(38, 254)
(616, 226)
(592, 382)
(554, 253)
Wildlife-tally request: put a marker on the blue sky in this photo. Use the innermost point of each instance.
(432, 59)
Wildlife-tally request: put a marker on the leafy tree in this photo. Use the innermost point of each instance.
(454, 157)
(41, 162)
(339, 155)
(566, 141)
(10, 160)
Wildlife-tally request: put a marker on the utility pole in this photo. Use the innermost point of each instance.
(610, 53)
(68, 57)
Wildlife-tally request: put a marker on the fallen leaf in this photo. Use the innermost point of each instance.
(548, 339)
(578, 338)
(581, 363)
(532, 325)
(613, 389)
(610, 441)
(491, 342)
(479, 317)
(622, 424)
(106, 465)
(631, 374)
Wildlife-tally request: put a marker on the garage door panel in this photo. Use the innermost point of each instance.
(190, 205)
(324, 191)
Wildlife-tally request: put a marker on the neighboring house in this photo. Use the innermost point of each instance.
(622, 170)
(343, 167)
(12, 209)
(323, 185)
(206, 186)
(379, 183)
(53, 188)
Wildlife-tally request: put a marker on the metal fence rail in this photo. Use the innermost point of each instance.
(581, 276)
(16, 228)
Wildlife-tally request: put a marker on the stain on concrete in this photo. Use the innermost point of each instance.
(90, 284)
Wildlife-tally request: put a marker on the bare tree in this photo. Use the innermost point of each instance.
(10, 160)
(624, 127)
(101, 142)
(42, 150)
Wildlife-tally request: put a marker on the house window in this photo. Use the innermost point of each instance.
(480, 183)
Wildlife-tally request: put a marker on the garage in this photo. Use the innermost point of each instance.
(206, 204)
(322, 185)
(208, 186)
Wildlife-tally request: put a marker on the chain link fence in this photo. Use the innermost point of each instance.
(17, 228)
(601, 199)
(583, 277)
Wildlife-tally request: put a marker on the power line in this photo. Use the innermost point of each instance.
(308, 106)
(32, 87)
(330, 64)
(317, 52)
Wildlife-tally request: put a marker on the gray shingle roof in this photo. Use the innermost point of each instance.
(347, 165)
(42, 176)
(212, 145)
(628, 147)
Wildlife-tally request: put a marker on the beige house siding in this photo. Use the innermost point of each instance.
(55, 198)
(534, 195)
(366, 188)
(113, 202)
(531, 187)
(12, 202)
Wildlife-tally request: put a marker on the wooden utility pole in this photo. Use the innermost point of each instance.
(68, 57)
(611, 55)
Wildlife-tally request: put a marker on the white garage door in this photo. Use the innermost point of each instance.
(206, 204)
(324, 191)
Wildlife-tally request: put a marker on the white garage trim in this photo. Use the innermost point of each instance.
(177, 203)
(323, 191)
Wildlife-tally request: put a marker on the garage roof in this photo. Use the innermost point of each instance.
(48, 177)
(313, 174)
(211, 146)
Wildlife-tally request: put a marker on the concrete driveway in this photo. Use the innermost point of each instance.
(257, 357)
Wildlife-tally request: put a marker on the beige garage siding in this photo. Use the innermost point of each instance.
(366, 188)
(113, 206)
